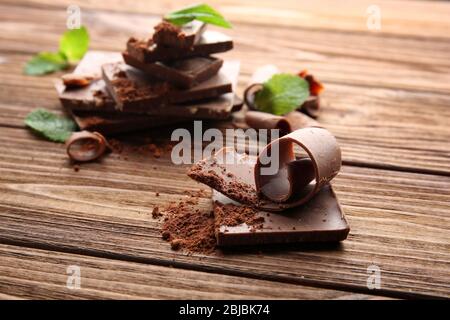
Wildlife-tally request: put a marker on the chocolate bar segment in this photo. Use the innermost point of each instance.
(118, 122)
(184, 73)
(94, 96)
(146, 51)
(111, 123)
(132, 89)
(170, 35)
(319, 220)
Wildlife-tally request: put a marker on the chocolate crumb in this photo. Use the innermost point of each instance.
(165, 235)
(155, 213)
(176, 244)
(76, 168)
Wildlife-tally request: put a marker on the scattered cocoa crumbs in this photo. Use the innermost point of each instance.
(155, 213)
(165, 235)
(202, 193)
(76, 168)
(116, 145)
(157, 154)
(157, 194)
(189, 228)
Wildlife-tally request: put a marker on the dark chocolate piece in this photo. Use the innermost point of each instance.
(132, 89)
(184, 73)
(95, 98)
(170, 35)
(284, 182)
(146, 51)
(320, 219)
(118, 122)
(111, 123)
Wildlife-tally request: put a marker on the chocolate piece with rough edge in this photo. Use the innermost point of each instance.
(146, 51)
(283, 182)
(319, 220)
(170, 35)
(132, 89)
(184, 73)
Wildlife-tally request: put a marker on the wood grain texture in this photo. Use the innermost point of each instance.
(399, 221)
(403, 113)
(398, 17)
(386, 100)
(40, 274)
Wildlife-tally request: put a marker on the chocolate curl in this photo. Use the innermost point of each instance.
(290, 122)
(86, 146)
(284, 181)
(298, 120)
(249, 95)
(264, 120)
(290, 185)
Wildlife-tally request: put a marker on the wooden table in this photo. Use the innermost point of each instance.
(387, 102)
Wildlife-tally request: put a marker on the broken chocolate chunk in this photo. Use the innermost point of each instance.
(184, 73)
(170, 35)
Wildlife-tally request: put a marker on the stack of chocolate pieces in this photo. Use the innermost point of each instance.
(169, 78)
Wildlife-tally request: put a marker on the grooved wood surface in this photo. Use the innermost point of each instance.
(386, 100)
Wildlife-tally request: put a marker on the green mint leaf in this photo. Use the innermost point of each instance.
(74, 44)
(282, 94)
(49, 125)
(45, 62)
(200, 12)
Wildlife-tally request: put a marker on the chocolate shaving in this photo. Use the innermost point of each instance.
(86, 146)
(290, 122)
(247, 180)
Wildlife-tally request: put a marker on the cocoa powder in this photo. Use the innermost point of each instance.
(193, 230)
(189, 228)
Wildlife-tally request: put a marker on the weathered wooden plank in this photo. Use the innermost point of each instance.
(356, 59)
(41, 274)
(398, 17)
(400, 221)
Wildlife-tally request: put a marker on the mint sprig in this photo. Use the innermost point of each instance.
(73, 44)
(200, 12)
(45, 62)
(282, 94)
(50, 126)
